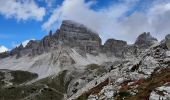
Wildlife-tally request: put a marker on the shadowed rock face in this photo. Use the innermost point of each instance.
(145, 40)
(167, 39)
(16, 51)
(77, 35)
(115, 47)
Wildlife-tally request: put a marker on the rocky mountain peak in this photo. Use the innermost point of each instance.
(70, 34)
(114, 46)
(145, 40)
(78, 35)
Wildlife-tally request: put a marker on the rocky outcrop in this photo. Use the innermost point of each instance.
(136, 77)
(145, 40)
(79, 36)
(165, 90)
(16, 51)
(115, 47)
(47, 43)
(30, 49)
(70, 34)
(167, 40)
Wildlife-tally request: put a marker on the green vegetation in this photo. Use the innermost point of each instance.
(22, 76)
(98, 70)
(57, 82)
(124, 94)
(45, 89)
(50, 88)
(18, 92)
(92, 67)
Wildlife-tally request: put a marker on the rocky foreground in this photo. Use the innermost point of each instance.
(72, 64)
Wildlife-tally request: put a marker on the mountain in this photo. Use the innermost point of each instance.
(72, 64)
(145, 40)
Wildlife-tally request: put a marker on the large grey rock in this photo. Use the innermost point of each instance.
(115, 47)
(77, 35)
(145, 40)
(167, 41)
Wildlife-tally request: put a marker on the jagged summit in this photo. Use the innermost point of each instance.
(145, 40)
(70, 34)
(70, 25)
(77, 35)
(80, 37)
(113, 46)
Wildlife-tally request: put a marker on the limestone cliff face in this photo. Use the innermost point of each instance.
(145, 40)
(77, 35)
(70, 34)
(115, 47)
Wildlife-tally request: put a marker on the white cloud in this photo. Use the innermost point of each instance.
(112, 22)
(154, 20)
(3, 49)
(79, 11)
(21, 9)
